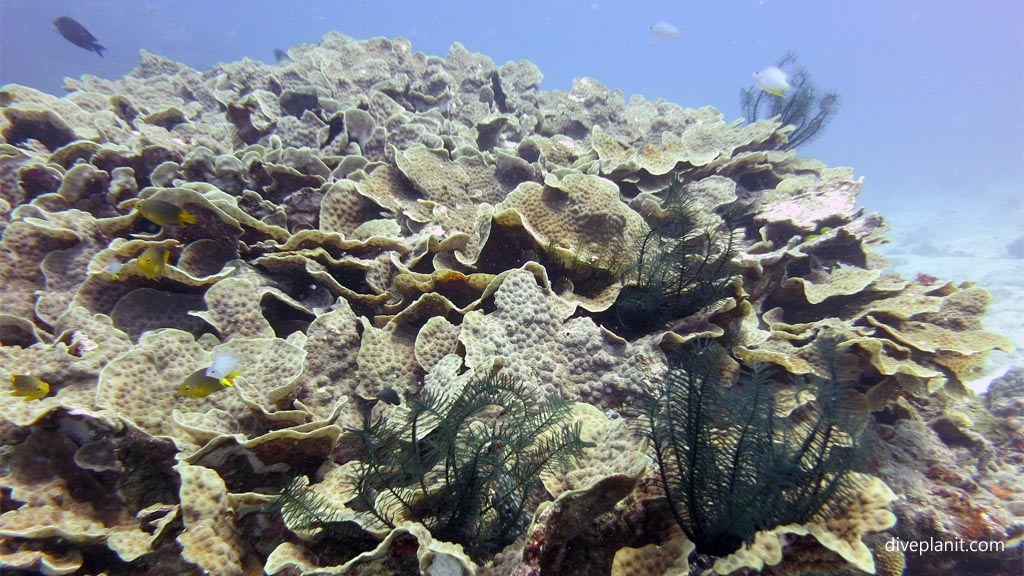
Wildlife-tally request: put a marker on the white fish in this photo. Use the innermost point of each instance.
(114, 269)
(665, 31)
(772, 80)
(224, 366)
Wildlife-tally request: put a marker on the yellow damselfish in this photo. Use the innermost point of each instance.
(152, 261)
(199, 385)
(164, 213)
(30, 387)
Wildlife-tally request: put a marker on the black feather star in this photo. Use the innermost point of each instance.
(678, 268)
(807, 112)
(474, 477)
(730, 466)
(313, 517)
(467, 465)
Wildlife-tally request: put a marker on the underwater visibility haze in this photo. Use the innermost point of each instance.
(532, 288)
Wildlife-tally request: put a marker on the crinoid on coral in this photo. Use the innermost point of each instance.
(730, 465)
(802, 108)
(465, 464)
(313, 516)
(678, 268)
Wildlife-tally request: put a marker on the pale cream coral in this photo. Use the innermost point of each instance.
(387, 357)
(415, 260)
(437, 338)
(703, 139)
(131, 544)
(142, 384)
(204, 258)
(670, 558)
(531, 335)
(50, 510)
(433, 557)
(615, 452)
(70, 365)
(330, 372)
(344, 208)
(839, 282)
(233, 307)
(455, 193)
(146, 309)
(779, 352)
(41, 561)
(581, 213)
(928, 337)
(56, 500)
(765, 550)
(275, 452)
(209, 540)
(805, 202)
(49, 255)
(862, 512)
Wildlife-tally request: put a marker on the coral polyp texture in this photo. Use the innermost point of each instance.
(362, 228)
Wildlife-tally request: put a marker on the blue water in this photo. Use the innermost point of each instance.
(932, 91)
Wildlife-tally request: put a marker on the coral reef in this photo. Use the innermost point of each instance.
(373, 225)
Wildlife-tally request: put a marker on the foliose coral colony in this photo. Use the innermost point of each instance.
(370, 311)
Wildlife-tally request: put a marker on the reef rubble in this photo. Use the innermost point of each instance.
(370, 218)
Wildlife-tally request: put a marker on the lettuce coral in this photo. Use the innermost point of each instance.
(371, 217)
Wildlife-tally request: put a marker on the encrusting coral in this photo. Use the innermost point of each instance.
(361, 226)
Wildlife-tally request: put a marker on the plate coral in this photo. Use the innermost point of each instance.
(360, 227)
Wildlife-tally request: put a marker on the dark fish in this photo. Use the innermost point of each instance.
(241, 116)
(77, 34)
(280, 55)
(389, 395)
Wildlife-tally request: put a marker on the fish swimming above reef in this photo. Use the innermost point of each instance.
(772, 80)
(75, 33)
(665, 31)
(164, 213)
(280, 55)
(30, 387)
(199, 385)
(152, 261)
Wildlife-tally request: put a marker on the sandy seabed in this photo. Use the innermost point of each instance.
(961, 244)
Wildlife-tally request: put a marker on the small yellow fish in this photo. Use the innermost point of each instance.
(152, 261)
(30, 387)
(199, 385)
(164, 213)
